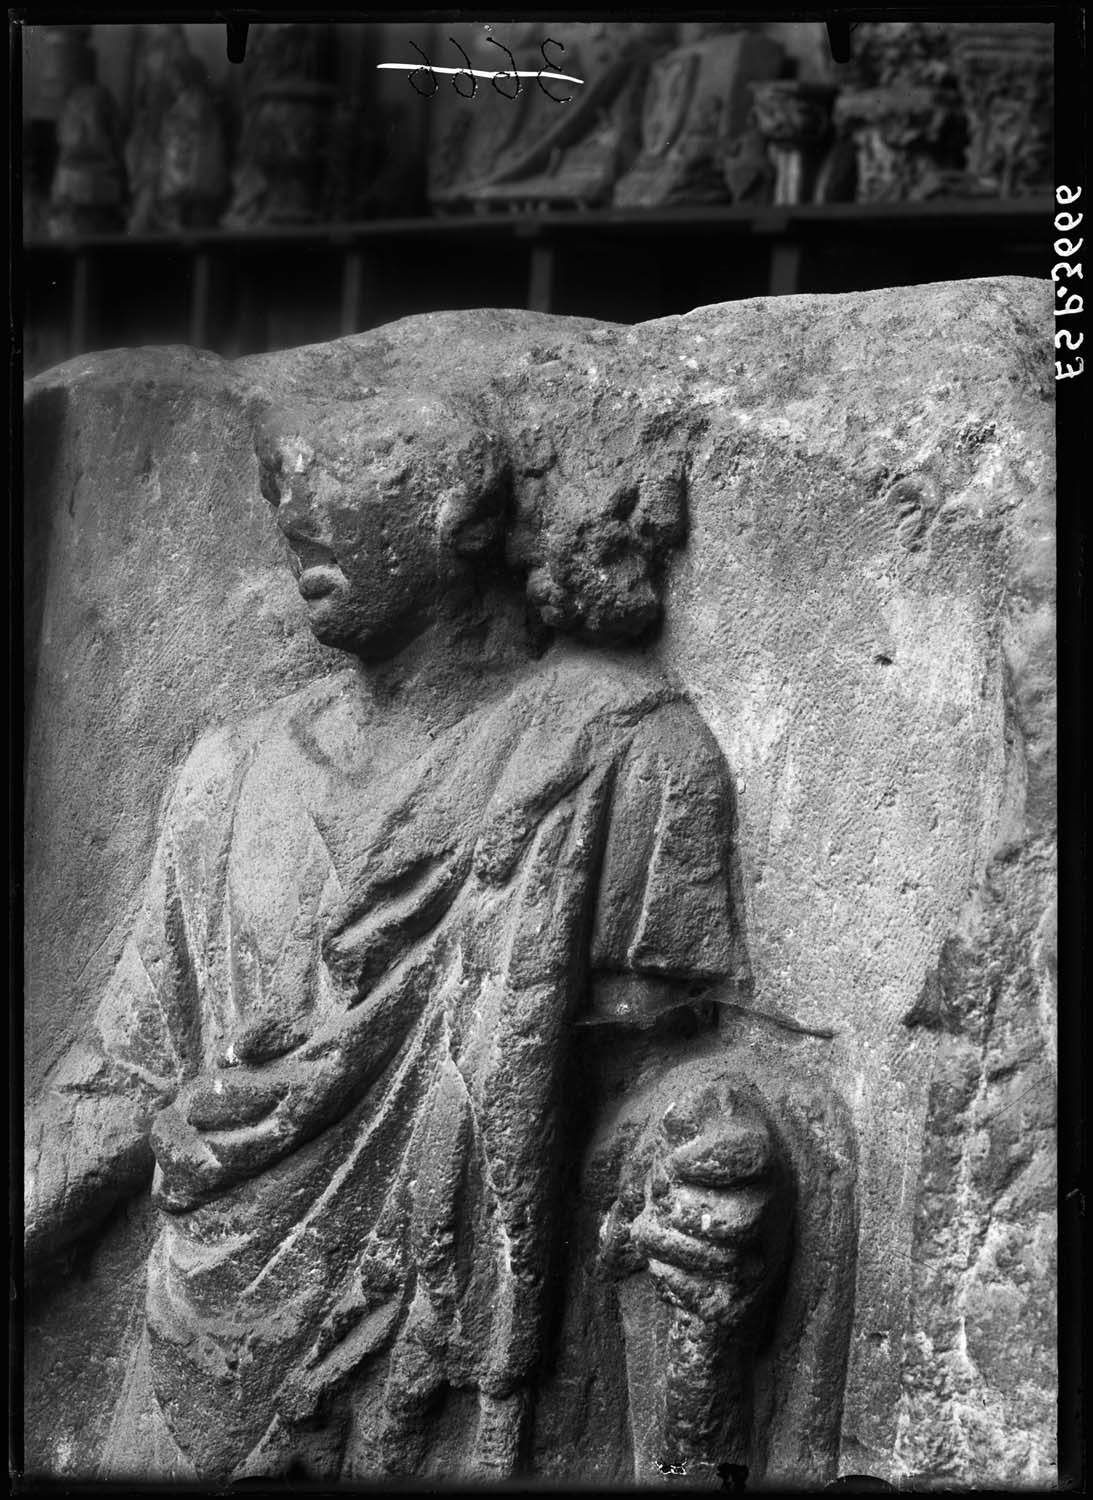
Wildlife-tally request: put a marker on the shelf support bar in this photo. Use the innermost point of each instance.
(785, 269)
(352, 316)
(81, 325)
(200, 295)
(541, 278)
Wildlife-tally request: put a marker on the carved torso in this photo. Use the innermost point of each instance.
(458, 906)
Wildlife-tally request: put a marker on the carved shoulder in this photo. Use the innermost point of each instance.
(675, 733)
(213, 771)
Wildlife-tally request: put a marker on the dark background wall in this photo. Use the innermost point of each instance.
(393, 244)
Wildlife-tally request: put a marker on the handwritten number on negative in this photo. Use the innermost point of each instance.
(512, 74)
(553, 67)
(426, 69)
(459, 75)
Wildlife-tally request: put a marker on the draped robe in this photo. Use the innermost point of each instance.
(462, 911)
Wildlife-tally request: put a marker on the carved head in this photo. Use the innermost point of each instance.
(383, 503)
(394, 503)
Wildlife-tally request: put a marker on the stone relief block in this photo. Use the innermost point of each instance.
(564, 989)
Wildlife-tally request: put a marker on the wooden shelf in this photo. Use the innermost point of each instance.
(741, 218)
(242, 290)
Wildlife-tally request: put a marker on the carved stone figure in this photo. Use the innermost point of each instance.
(337, 1040)
(193, 177)
(696, 104)
(175, 152)
(1005, 75)
(88, 191)
(287, 116)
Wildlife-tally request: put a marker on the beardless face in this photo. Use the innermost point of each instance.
(373, 498)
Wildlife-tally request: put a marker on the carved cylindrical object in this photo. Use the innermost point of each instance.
(707, 1402)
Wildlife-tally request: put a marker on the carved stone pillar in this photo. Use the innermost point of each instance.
(795, 121)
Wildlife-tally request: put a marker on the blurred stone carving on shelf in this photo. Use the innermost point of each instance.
(38, 150)
(67, 59)
(194, 172)
(1005, 77)
(810, 164)
(176, 152)
(88, 190)
(56, 60)
(909, 142)
(289, 98)
(373, 169)
(902, 112)
(695, 106)
(531, 149)
(667, 113)
(913, 54)
(747, 169)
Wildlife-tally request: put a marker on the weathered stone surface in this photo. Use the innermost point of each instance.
(864, 615)
(860, 612)
(158, 603)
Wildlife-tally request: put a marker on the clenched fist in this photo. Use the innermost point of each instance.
(706, 1203)
(705, 1208)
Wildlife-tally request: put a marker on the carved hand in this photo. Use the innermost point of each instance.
(706, 1208)
(227, 1126)
(706, 1204)
(714, 1224)
(85, 1149)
